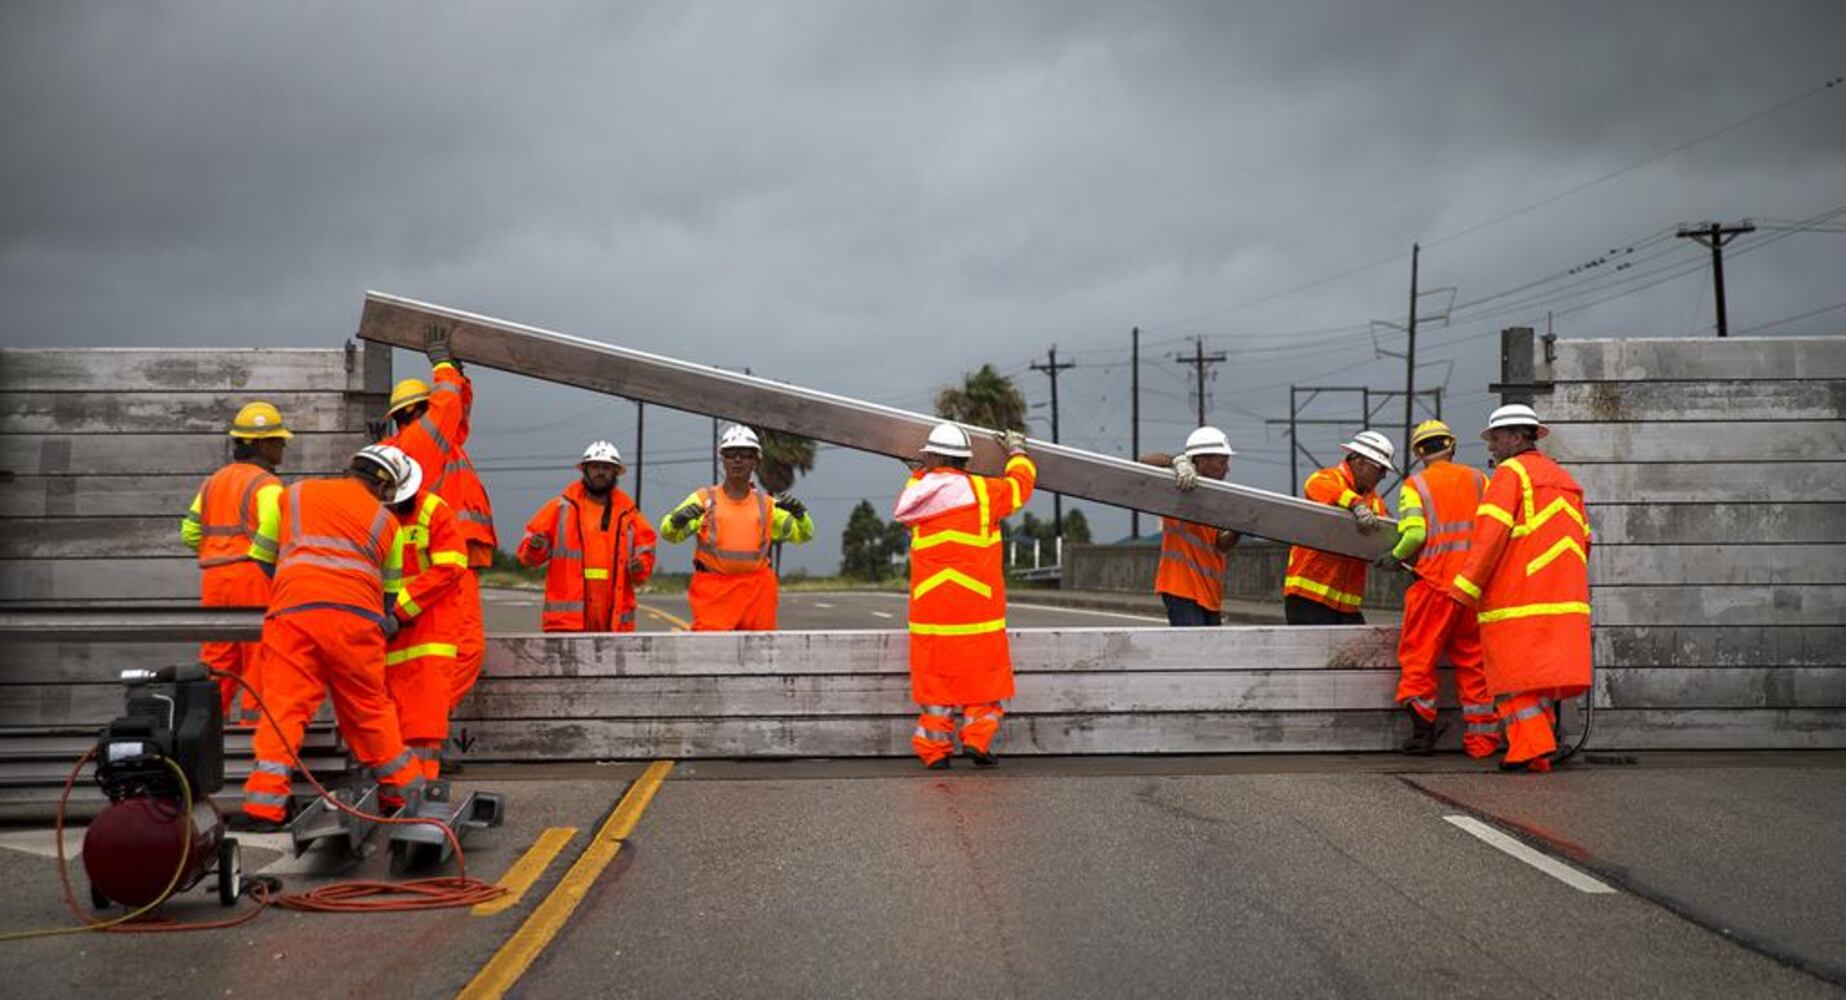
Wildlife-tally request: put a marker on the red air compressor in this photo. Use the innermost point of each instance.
(165, 750)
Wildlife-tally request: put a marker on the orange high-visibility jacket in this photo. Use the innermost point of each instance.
(337, 540)
(1527, 574)
(427, 582)
(435, 441)
(580, 550)
(1441, 500)
(958, 648)
(1191, 564)
(232, 519)
(1334, 580)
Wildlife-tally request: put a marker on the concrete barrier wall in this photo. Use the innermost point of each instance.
(102, 449)
(1254, 572)
(1715, 476)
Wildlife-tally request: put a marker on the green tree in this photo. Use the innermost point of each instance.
(1076, 527)
(868, 543)
(985, 398)
(785, 457)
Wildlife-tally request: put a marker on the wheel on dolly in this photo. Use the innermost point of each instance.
(230, 871)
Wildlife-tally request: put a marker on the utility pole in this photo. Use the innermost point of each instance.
(1134, 416)
(1715, 236)
(1052, 368)
(640, 439)
(1198, 361)
(1410, 359)
(714, 451)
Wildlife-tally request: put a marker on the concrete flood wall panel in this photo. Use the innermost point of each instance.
(1714, 472)
(1254, 571)
(101, 450)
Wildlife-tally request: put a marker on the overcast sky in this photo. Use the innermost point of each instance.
(873, 198)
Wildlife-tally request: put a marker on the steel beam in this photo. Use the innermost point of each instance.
(851, 423)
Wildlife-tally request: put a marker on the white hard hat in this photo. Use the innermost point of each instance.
(1515, 415)
(949, 439)
(406, 474)
(1208, 441)
(601, 451)
(1375, 446)
(739, 436)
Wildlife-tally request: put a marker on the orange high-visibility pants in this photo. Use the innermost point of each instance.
(420, 689)
(308, 655)
(1528, 719)
(935, 735)
(470, 641)
(980, 724)
(238, 585)
(727, 602)
(1434, 625)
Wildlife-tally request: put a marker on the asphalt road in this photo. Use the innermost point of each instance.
(518, 611)
(1101, 877)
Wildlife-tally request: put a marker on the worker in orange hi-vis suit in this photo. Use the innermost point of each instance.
(1322, 588)
(232, 525)
(1527, 576)
(733, 584)
(325, 635)
(1190, 580)
(959, 660)
(599, 547)
(1435, 523)
(432, 428)
(425, 589)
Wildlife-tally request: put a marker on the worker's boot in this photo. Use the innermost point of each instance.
(981, 758)
(1422, 739)
(939, 764)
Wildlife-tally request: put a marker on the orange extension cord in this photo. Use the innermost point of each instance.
(361, 896)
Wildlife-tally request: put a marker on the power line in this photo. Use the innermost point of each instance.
(1790, 319)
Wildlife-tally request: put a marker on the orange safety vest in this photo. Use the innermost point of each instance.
(1334, 580)
(577, 556)
(435, 441)
(958, 647)
(336, 542)
(736, 534)
(1191, 564)
(1527, 575)
(227, 514)
(429, 582)
(1449, 492)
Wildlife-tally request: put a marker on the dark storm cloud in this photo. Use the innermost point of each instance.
(874, 198)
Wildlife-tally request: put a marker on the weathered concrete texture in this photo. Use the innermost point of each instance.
(1254, 570)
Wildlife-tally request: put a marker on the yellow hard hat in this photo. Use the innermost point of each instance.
(1429, 429)
(259, 420)
(409, 392)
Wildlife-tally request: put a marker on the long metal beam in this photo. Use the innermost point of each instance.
(759, 402)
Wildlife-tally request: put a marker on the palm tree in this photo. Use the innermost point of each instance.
(985, 398)
(785, 456)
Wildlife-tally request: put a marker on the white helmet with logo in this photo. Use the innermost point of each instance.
(1515, 415)
(1375, 446)
(739, 436)
(950, 440)
(601, 451)
(406, 474)
(1208, 441)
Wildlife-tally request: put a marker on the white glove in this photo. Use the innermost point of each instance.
(1013, 441)
(1365, 517)
(1184, 475)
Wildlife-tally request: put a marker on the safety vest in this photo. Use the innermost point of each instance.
(1527, 575)
(575, 560)
(1334, 580)
(1441, 499)
(736, 534)
(425, 582)
(337, 541)
(435, 442)
(228, 525)
(1191, 564)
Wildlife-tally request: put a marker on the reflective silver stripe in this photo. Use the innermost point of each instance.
(1422, 702)
(333, 562)
(942, 710)
(1446, 527)
(222, 531)
(396, 763)
(264, 540)
(1479, 711)
(567, 554)
(328, 542)
(931, 736)
(272, 767)
(476, 518)
(1484, 727)
(435, 433)
(1526, 713)
(1455, 545)
(1182, 536)
(265, 799)
(563, 606)
(222, 561)
(1183, 560)
(446, 387)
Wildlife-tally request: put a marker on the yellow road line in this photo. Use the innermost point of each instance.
(520, 950)
(527, 869)
(674, 620)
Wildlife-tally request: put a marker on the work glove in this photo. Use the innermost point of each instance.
(796, 509)
(685, 515)
(389, 626)
(1365, 517)
(1184, 475)
(436, 344)
(1013, 441)
(540, 544)
(1391, 563)
(635, 568)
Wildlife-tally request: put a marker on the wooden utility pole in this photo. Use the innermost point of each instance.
(1134, 416)
(1052, 368)
(1198, 361)
(640, 440)
(1715, 236)
(1410, 360)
